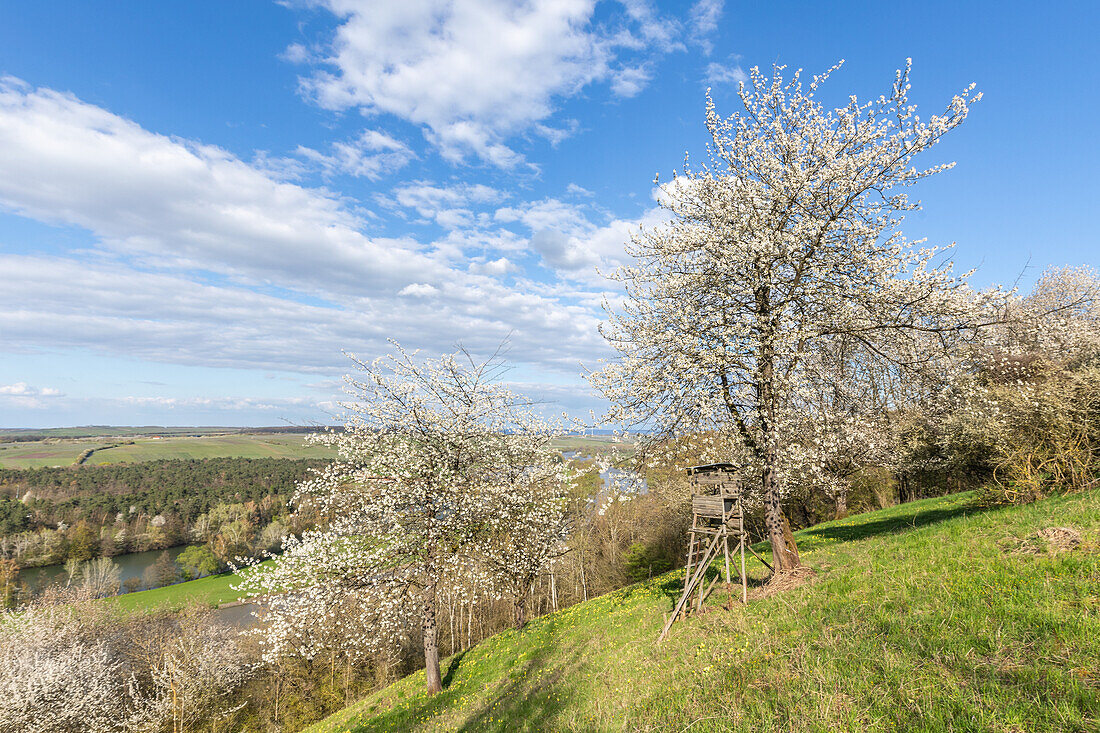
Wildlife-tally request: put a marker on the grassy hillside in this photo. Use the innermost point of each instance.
(928, 616)
(65, 452)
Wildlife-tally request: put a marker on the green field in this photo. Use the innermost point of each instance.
(929, 616)
(213, 590)
(65, 452)
(585, 442)
(114, 445)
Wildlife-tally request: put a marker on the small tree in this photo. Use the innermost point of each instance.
(784, 243)
(162, 572)
(434, 457)
(101, 577)
(197, 561)
(528, 533)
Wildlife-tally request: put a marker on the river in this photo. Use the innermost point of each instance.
(131, 565)
(607, 476)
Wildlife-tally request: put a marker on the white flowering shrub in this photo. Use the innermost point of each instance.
(56, 674)
(193, 677)
(68, 664)
(1026, 417)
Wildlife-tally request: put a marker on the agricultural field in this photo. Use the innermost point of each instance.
(57, 452)
(114, 445)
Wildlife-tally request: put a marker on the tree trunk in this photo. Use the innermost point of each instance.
(784, 551)
(841, 504)
(519, 611)
(431, 642)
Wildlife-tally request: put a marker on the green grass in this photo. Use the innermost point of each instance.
(213, 590)
(921, 618)
(64, 452)
(224, 446)
(114, 445)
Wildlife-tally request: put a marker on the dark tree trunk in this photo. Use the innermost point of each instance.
(431, 642)
(519, 611)
(784, 551)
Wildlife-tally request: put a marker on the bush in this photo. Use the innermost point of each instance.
(642, 562)
(1043, 429)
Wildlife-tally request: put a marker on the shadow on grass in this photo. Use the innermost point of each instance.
(672, 586)
(900, 518)
(456, 660)
(517, 698)
(886, 525)
(526, 701)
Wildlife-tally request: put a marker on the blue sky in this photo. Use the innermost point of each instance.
(202, 203)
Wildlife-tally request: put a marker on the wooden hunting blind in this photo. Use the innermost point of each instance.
(717, 517)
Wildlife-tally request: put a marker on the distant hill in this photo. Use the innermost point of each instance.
(100, 431)
(101, 450)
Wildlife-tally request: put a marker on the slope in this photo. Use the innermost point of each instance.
(932, 615)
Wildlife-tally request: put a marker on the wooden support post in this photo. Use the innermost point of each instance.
(726, 552)
(741, 529)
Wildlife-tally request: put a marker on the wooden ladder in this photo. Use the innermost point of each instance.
(693, 576)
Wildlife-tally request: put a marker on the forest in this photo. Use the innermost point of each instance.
(50, 515)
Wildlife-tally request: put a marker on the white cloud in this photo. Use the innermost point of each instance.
(108, 308)
(725, 74)
(372, 155)
(180, 203)
(570, 243)
(419, 290)
(495, 268)
(203, 259)
(629, 81)
(24, 396)
(704, 16)
(218, 404)
(22, 389)
(473, 72)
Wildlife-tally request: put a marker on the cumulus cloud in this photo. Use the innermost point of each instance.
(450, 206)
(570, 243)
(629, 81)
(203, 259)
(26, 396)
(473, 72)
(704, 16)
(181, 203)
(59, 303)
(22, 389)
